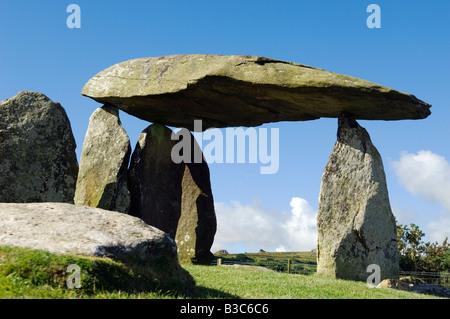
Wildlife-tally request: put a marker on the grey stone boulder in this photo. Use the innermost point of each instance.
(102, 175)
(415, 285)
(174, 196)
(197, 224)
(242, 90)
(155, 180)
(79, 230)
(356, 227)
(37, 150)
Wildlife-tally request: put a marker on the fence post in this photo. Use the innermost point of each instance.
(219, 261)
(289, 266)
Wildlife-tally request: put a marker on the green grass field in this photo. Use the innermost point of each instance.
(26, 273)
(300, 262)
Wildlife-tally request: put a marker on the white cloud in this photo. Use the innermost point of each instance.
(253, 227)
(438, 230)
(425, 174)
(402, 215)
(300, 227)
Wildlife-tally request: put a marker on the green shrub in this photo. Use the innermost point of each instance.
(243, 258)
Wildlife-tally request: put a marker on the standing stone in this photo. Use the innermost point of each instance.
(175, 197)
(155, 180)
(102, 177)
(37, 150)
(356, 227)
(197, 224)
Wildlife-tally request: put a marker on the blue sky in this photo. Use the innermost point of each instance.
(410, 53)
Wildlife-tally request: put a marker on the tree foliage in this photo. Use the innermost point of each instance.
(417, 255)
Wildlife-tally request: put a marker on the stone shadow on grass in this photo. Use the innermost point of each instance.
(166, 275)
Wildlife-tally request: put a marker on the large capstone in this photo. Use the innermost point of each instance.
(242, 90)
(172, 192)
(102, 177)
(37, 150)
(356, 227)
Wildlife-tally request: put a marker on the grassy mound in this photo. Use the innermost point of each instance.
(27, 273)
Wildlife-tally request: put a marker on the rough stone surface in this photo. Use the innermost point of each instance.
(102, 176)
(356, 227)
(197, 224)
(175, 90)
(155, 180)
(37, 150)
(404, 283)
(79, 230)
(174, 197)
(415, 285)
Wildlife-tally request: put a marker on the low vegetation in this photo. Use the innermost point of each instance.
(417, 255)
(26, 273)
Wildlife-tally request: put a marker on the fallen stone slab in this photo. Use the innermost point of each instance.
(415, 285)
(242, 90)
(79, 230)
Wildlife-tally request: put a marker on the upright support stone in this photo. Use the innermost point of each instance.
(155, 180)
(356, 227)
(175, 197)
(102, 177)
(197, 224)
